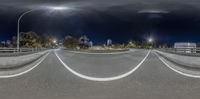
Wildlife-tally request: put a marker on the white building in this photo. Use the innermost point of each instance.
(185, 47)
(90, 43)
(109, 42)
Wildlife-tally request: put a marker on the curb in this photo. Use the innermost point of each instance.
(21, 65)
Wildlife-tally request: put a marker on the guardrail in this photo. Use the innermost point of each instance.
(21, 50)
(183, 51)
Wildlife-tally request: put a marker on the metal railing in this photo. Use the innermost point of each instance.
(21, 50)
(10, 52)
(183, 51)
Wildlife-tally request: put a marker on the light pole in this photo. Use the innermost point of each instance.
(18, 27)
(23, 14)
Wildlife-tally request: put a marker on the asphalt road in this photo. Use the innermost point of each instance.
(52, 80)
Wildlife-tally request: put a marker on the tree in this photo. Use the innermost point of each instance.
(118, 46)
(47, 40)
(70, 42)
(84, 42)
(29, 40)
(131, 44)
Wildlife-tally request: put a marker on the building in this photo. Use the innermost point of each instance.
(198, 45)
(185, 47)
(109, 42)
(90, 43)
(198, 48)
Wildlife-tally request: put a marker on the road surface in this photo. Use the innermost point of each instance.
(152, 79)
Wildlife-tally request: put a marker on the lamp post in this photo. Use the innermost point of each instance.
(18, 27)
(25, 13)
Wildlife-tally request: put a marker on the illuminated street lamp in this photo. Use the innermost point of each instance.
(150, 40)
(23, 14)
(54, 41)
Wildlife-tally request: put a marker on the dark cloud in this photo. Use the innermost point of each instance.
(108, 6)
(153, 11)
(125, 19)
(104, 4)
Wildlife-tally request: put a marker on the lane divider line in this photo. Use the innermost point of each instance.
(102, 79)
(175, 70)
(26, 71)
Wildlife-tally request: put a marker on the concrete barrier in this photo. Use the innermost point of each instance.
(19, 61)
(182, 59)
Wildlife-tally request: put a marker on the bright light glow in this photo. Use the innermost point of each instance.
(58, 8)
(54, 41)
(150, 40)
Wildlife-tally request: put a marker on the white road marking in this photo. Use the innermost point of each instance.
(21, 73)
(109, 53)
(175, 70)
(102, 79)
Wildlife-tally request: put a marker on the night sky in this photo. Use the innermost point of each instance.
(120, 20)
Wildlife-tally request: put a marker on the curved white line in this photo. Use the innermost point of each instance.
(21, 73)
(102, 79)
(175, 70)
(109, 53)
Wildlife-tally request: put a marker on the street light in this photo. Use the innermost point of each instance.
(54, 41)
(150, 40)
(23, 14)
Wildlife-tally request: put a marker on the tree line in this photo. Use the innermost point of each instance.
(33, 40)
(30, 40)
